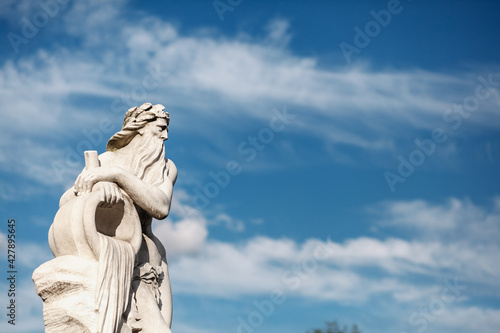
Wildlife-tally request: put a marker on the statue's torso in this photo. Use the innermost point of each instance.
(151, 251)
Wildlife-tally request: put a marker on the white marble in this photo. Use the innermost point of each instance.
(110, 272)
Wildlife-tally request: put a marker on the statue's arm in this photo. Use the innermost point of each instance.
(110, 190)
(154, 200)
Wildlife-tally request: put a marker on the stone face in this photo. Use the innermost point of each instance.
(110, 272)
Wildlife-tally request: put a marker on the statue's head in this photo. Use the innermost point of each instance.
(148, 124)
(147, 119)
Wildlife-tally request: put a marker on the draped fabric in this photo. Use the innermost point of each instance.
(116, 266)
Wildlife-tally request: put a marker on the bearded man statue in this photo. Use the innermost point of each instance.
(102, 238)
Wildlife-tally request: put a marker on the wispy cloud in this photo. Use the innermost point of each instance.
(238, 77)
(353, 271)
(216, 86)
(408, 271)
(452, 221)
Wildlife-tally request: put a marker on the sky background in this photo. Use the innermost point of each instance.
(367, 153)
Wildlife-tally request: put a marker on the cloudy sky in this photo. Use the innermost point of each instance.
(337, 160)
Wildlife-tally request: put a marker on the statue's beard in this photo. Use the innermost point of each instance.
(148, 162)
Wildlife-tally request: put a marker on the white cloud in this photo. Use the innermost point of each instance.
(43, 104)
(446, 221)
(476, 319)
(419, 215)
(183, 237)
(42, 92)
(32, 255)
(351, 272)
(188, 234)
(229, 222)
(307, 270)
(278, 32)
(238, 71)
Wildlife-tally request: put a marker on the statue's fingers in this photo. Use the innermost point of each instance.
(77, 183)
(114, 195)
(89, 183)
(88, 186)
(104, 197)
(120, 195)
(82, 184)
(87, 175)
(107, 196)
(114, 201)
(85, 178)
(82, 177)
(111, 195)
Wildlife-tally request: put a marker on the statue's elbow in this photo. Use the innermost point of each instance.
(161, 209)
(162, 213)
(161, 216)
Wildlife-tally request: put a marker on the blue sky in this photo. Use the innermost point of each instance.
(364, 183)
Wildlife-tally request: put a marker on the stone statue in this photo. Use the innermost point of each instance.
(110, 272)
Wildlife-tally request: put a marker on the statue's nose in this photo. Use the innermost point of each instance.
(164, 136)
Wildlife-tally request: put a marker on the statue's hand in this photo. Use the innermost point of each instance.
(88, 178)
(111, 193)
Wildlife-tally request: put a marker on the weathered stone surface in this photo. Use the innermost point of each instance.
(66, 285)
(110, 273)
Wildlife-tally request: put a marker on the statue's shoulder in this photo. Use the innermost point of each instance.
(171, 170)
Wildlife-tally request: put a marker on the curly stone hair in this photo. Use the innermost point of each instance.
(135, 119)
